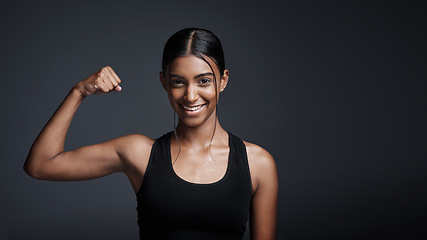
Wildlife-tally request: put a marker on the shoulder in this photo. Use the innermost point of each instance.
(259, 157)
(133, 142)
(134, 151)
(262, 165)
(134, 147)
(137, 139)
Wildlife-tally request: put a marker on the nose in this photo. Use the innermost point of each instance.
(191, 94)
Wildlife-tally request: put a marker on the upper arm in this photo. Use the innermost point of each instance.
(94, 161)
(263, 212)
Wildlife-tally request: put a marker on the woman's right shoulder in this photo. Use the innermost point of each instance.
(134, 142)
(134, 151)
(137, 138)
(134, 148)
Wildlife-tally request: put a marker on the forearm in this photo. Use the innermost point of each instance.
(51, 139)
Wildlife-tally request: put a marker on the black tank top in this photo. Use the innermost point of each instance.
(170, 207)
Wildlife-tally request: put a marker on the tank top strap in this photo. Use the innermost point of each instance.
(239, 165)
(158, 156)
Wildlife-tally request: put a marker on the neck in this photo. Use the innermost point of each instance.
(201, 135)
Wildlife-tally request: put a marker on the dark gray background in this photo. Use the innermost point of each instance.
(335, 91)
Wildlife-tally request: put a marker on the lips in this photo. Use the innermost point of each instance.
(193, 108)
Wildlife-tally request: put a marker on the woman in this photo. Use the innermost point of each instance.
(196, 182)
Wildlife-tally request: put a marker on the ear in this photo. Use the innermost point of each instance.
(224, 80)
(163, 80)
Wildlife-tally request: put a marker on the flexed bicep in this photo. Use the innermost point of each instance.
(127, 154)
(86, 162)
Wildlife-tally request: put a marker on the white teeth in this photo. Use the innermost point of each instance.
(193, 108)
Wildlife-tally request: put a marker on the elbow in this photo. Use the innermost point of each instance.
(40, 167)
(32, 171)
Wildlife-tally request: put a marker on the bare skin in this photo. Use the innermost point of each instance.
(191, 90)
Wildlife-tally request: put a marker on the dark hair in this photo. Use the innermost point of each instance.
(198, 42)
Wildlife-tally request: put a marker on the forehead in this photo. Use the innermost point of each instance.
(190, 65)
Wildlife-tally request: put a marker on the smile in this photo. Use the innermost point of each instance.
(193, 109)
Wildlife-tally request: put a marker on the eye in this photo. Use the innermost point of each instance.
(176, 82)
(205, 81)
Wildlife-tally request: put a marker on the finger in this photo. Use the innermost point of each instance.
(100, 85)
(114, 74)
(112, 79)
(103, 75)
(107, 82)
(118, 89)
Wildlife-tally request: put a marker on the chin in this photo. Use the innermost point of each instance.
(191, 122)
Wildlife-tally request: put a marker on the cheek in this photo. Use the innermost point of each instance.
(176, 94)
(208, 94)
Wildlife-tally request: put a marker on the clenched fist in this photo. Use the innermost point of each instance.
(103, 81)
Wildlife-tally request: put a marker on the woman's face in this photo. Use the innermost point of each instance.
(191, 89)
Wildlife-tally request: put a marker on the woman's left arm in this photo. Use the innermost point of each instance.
(263, 213)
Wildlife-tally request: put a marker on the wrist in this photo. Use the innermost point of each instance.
(78, 91)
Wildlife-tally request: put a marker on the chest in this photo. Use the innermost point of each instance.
(202, 166)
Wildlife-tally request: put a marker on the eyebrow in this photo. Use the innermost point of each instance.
(197, 76)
